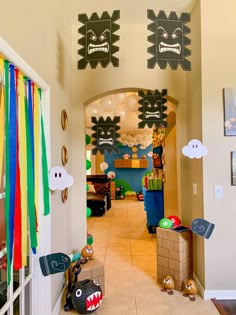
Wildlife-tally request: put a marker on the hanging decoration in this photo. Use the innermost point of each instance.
(25, 156)
(195, 149)
(59, 179)
(169, 40)
(105, 134)
(98, 39)
(152, 108)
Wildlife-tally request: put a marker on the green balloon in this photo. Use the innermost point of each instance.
(88, 139)
(165, 223)
(88, 212)
(87, 187)
(88, 164)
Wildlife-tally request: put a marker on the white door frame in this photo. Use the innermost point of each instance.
(41, 286)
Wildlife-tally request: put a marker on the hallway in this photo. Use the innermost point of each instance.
(122, 242)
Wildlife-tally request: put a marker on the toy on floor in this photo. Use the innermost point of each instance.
(86, 296)
(86, 254)
(190, 290)
(140, 196)
(168, 285)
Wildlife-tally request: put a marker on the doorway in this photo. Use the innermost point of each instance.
(124, 103)
(27, 292)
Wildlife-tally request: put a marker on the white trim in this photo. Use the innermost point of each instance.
(41, 286)
(199, 285)
(214, 294)
(13, 57)
(57, 307)
(220, 294)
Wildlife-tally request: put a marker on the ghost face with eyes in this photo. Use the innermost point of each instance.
(59, 179)
(195, 149)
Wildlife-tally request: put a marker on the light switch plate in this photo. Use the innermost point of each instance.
(218, 190)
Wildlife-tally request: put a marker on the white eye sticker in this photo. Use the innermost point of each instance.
(59, 179)
(95, 282)
(78, 293)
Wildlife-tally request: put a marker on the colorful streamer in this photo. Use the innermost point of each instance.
(44, 166)
(2, 117)
(30, 167)
(23, 166)
(26, 168)
(17, 213)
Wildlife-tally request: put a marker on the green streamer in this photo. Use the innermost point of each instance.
(30, 180)
(44, 165)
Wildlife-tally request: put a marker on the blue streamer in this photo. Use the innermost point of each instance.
(12, 155)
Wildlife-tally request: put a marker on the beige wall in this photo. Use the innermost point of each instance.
(218, 72)
(192, 169)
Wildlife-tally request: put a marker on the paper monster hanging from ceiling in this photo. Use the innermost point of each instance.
(152, 108)
(169, 40)
(98, 39)
(105, 134)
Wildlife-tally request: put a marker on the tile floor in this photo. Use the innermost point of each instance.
(122, 242)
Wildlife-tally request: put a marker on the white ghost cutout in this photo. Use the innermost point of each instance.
(195, 149)
(59, 179)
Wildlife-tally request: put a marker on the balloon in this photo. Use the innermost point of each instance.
(103, 166)
(107, 104)
(88, 164)
(93, 109)
(88, 139)
(132, 103)
(88, 212)
(120, 111)
(119, 97)
(87, 187)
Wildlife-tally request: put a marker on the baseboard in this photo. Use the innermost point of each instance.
(220, 294)
(199, 285)
(57, 307)
(214, 294)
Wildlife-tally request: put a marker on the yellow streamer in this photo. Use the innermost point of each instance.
(2, 117)
(23, 166)
(36, 147)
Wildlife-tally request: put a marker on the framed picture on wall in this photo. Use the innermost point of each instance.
(229, 98)
(233, 168)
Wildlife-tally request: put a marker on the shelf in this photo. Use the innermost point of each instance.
(131, 163)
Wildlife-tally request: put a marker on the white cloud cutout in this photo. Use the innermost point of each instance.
(59, 179)
(195, 149)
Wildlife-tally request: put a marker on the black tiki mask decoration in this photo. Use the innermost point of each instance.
(105, 134)
(169, 40)
(152, 108)
(98, 40)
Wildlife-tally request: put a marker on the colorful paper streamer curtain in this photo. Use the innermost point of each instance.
(23, 153)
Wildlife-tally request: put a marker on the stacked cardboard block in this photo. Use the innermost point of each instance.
(94, 270)
(174, 256)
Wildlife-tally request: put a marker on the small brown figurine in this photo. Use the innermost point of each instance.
(168, 284)
(87, 251)
(190, 289)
